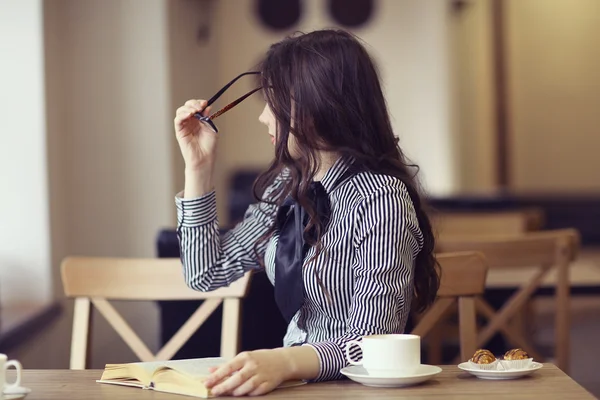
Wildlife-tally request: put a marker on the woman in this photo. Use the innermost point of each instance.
(339, 227)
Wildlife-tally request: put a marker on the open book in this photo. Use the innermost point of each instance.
(184, 377)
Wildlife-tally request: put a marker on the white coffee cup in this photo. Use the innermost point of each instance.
(4, 365)
(388, 355)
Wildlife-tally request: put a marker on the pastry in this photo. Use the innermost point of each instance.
(516, 359)
(483, 356)
(516, 354)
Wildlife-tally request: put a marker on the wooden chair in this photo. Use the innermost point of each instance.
(463, 278)
(541, 251)
(449, 224)
(97, 280)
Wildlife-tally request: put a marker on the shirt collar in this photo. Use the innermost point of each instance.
(339, 167)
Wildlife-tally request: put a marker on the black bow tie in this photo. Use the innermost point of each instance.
(291, 221)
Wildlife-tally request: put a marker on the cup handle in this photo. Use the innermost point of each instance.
(18, 368)
(348, 347)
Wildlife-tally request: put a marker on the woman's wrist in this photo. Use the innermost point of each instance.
(198, 182)
(302, 362)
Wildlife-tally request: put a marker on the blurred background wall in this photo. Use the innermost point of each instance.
(89, 158)
(25, 249)
(414, 67)
(554, 92)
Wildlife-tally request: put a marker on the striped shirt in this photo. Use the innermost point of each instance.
(360, 284)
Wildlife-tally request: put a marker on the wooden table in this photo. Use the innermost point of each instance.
(546, 384)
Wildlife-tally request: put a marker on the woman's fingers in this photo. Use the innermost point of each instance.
(191, 107)
(185, 112)
(250, 385)
(241, 369)
(223, 372)
(261, 389)
(239, 383)
(197, 104)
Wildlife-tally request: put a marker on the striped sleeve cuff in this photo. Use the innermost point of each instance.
(196, 212)
(331, 359)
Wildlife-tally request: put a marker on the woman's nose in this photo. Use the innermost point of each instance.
(262, 118)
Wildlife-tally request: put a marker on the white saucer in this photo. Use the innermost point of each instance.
(16, 393)
(359, 374)
(499, 374)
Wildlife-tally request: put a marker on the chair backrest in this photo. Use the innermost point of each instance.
(541, 248)
(448, 224)
(463, 277)
(95, 280)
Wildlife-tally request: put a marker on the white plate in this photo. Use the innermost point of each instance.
(360, 375)
(499, 374)
(16, 393)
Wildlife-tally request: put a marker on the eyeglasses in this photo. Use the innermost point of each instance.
(208, 119)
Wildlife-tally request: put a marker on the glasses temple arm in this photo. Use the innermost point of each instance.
(233, 104)
(220, 92)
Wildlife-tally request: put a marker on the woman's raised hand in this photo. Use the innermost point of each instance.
(196, 140)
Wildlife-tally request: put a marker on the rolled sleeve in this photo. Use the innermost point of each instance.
(200, 211)
(332, 359)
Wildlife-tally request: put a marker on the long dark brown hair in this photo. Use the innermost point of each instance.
(324, 89)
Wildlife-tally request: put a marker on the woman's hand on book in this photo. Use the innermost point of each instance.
(251, 373)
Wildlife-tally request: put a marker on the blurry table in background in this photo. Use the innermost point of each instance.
(560, 210)
(584, 275)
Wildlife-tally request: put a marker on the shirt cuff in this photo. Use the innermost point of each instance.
(196, 212)
(331, 360)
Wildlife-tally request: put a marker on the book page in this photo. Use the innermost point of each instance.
(128, 372)
(198, 368)
(143, 371)
(150, 366)
(194, 367)
(122, 383)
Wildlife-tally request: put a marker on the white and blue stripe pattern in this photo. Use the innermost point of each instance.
(366, 266)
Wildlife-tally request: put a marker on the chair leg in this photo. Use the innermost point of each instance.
(230, 334)
(467, 326)
(81, 331)
(519, 323)
(434, 344)
(524, 320)
(563, 320)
